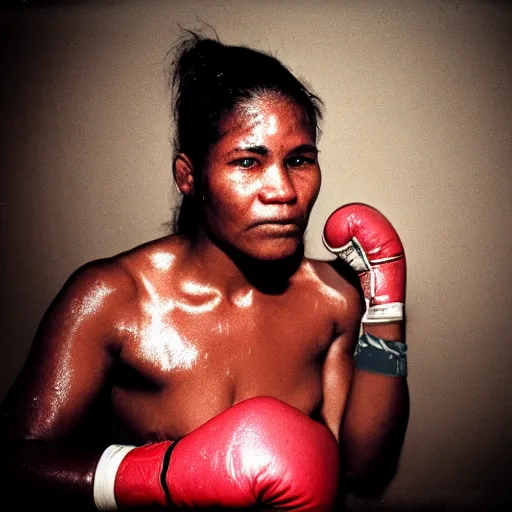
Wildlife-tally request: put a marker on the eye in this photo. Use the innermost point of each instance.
(299, 161)
(246, 163)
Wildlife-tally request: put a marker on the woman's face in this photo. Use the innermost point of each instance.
(261, 178)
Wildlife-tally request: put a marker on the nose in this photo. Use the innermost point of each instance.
(277, 186)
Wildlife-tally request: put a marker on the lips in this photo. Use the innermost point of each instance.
(280, 226)
(279, 221)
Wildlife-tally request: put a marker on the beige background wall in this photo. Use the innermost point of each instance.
(418, 124)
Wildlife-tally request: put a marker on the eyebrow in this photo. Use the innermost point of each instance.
(263, 151)
(259, 150)
(305, 148)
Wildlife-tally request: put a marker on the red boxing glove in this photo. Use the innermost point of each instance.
(260, 452)
(366, 240)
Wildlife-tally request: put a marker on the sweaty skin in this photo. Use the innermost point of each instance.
(150, 344)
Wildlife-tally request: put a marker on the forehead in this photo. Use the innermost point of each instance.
(261, 119)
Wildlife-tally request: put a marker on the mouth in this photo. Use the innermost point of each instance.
(278, 227)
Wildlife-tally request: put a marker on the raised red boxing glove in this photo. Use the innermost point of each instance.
(259, 453)
(361, 235)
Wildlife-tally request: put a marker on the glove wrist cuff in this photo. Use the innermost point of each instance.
(105, 476)
(384, 313)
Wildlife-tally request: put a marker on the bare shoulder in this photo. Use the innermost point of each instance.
(116, 279)
(108, 280)
(340, 284)
(101, 277)
(89, 303)
(336, 274)
(153, 253)
(122, 269)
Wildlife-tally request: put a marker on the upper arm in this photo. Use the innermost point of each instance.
(338, 366)
(69, 359)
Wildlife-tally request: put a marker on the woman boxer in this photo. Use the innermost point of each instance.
(211, 368)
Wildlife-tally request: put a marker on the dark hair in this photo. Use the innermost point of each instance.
(209, 79)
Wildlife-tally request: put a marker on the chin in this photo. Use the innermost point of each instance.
(276, 250)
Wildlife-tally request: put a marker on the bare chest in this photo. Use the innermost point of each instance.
(187, 362)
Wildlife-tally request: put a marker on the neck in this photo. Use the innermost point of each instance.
(233, 270)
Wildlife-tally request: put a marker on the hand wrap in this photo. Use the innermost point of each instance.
(381, 356)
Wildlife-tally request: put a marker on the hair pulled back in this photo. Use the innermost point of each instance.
(209, 80)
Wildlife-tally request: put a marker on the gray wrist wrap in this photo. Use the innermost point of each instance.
(381, 356)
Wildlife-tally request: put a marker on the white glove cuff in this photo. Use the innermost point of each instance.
(105, 476)
(384, 313)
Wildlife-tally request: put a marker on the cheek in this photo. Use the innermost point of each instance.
(232, 193)
(308, 186)
(243, 184)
